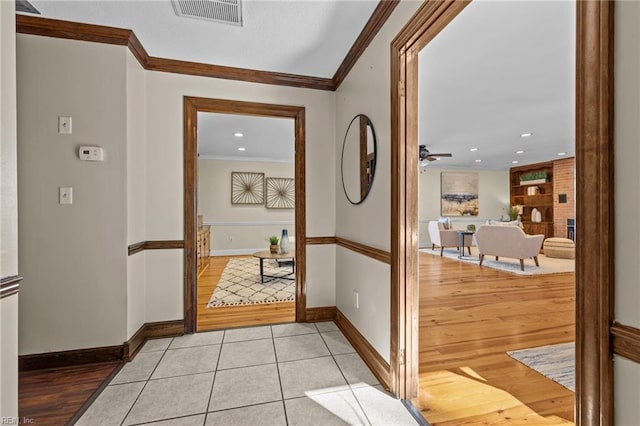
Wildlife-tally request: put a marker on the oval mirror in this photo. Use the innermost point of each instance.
(358, 159)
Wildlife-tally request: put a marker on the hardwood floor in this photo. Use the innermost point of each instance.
(53, 396)
(469, 318)
(234, 316)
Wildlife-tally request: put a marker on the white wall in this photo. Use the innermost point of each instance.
(73, 257)
(366, 90)
(627, 180)
(136, 187)
(8, 211)
(493, 193)
(236, 228)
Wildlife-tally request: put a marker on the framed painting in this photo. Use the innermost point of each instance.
(280, 193)
(459, 194)
(247, 188)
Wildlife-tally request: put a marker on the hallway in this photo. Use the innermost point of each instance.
(286, 374)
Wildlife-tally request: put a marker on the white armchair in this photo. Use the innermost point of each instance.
(507, 241)
(446, 237)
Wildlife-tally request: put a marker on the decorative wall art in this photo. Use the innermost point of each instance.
(280, 193)
(247, 188)
(459, 194)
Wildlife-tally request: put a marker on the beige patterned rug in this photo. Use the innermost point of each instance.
(240, 284)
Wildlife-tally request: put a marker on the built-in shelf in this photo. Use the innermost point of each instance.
(542, 201)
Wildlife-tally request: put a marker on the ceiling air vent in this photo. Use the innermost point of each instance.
(223, 11)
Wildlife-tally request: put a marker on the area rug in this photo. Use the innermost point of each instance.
(556, 362)
(548, 265)
(240, 284)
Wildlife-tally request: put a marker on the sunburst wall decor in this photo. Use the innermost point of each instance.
(280, 193)
(247, 188)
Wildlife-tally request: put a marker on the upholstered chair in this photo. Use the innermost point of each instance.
(442, 237)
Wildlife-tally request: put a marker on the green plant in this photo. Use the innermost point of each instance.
(534, 176)
(273, 240)
(513, 212)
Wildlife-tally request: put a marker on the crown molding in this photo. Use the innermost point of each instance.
(46, 27)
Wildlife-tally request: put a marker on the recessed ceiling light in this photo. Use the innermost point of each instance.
(520, 152)
(515, 162)
(526, 135)
(478, 161)
(473, 149)
(242, 149)
(562, 153)
(238, 135)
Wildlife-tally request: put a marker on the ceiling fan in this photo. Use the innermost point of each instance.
(424, 154)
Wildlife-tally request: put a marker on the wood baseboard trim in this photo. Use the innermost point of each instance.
(69, 358)
(379, 367)
(116, 353)
(626, 341)
(151, 330)
(365, 250)
(155, 245)
(320, 314)
(320, 240)
(10, 286)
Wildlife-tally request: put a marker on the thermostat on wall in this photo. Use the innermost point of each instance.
(91, 153)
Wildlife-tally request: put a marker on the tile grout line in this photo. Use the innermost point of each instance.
(345, 377)
(275, 354)
(145, 383)
(215, 374)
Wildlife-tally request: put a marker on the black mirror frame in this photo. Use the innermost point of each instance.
(375, 159)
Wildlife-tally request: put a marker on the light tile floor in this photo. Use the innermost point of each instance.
(286, 374)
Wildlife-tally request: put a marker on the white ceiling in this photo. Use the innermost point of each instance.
(264, 138)
(298, 37)
(498, 70)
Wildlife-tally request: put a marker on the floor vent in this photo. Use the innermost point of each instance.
(223, 11)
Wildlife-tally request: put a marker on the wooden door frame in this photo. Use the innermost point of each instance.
(193, 105)
(594, 202)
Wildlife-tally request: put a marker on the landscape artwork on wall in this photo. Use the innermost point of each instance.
(459, 194)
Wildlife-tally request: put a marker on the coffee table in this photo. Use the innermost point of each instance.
(262, 255)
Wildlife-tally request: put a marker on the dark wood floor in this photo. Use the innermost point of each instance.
(53, 396)
(469, 318)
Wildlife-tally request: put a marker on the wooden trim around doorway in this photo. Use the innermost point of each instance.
(193, 105)
(594, 202)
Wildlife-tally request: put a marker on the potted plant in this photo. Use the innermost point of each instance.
(533, 178)
(273, 240)
(513, 212)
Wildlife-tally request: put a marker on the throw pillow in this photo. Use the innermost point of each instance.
(446, 222)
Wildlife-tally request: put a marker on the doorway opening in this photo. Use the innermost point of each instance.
(230, 212)
(594, 252)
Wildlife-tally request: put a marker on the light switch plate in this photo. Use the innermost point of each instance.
(65, 195)
(64, 125)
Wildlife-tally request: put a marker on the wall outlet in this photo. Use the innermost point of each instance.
(65, 195)
(230, 239)
(356, 299)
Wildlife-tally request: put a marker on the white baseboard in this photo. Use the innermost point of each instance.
(236, 252)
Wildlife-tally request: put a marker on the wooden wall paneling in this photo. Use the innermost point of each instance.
(378, 366)
(371, 28)
(365, 250)
(626, 341)
(320, 240)
(563, 183)
(193, 105)
(594, 212)
(9, 286)
(324, 313)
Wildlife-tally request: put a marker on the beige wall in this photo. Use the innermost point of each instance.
(239, 228)
(8, 211)
(493, 192)
(136, 188)
(627, 209)
(366, 90)
(164, 169)
(73, 257)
